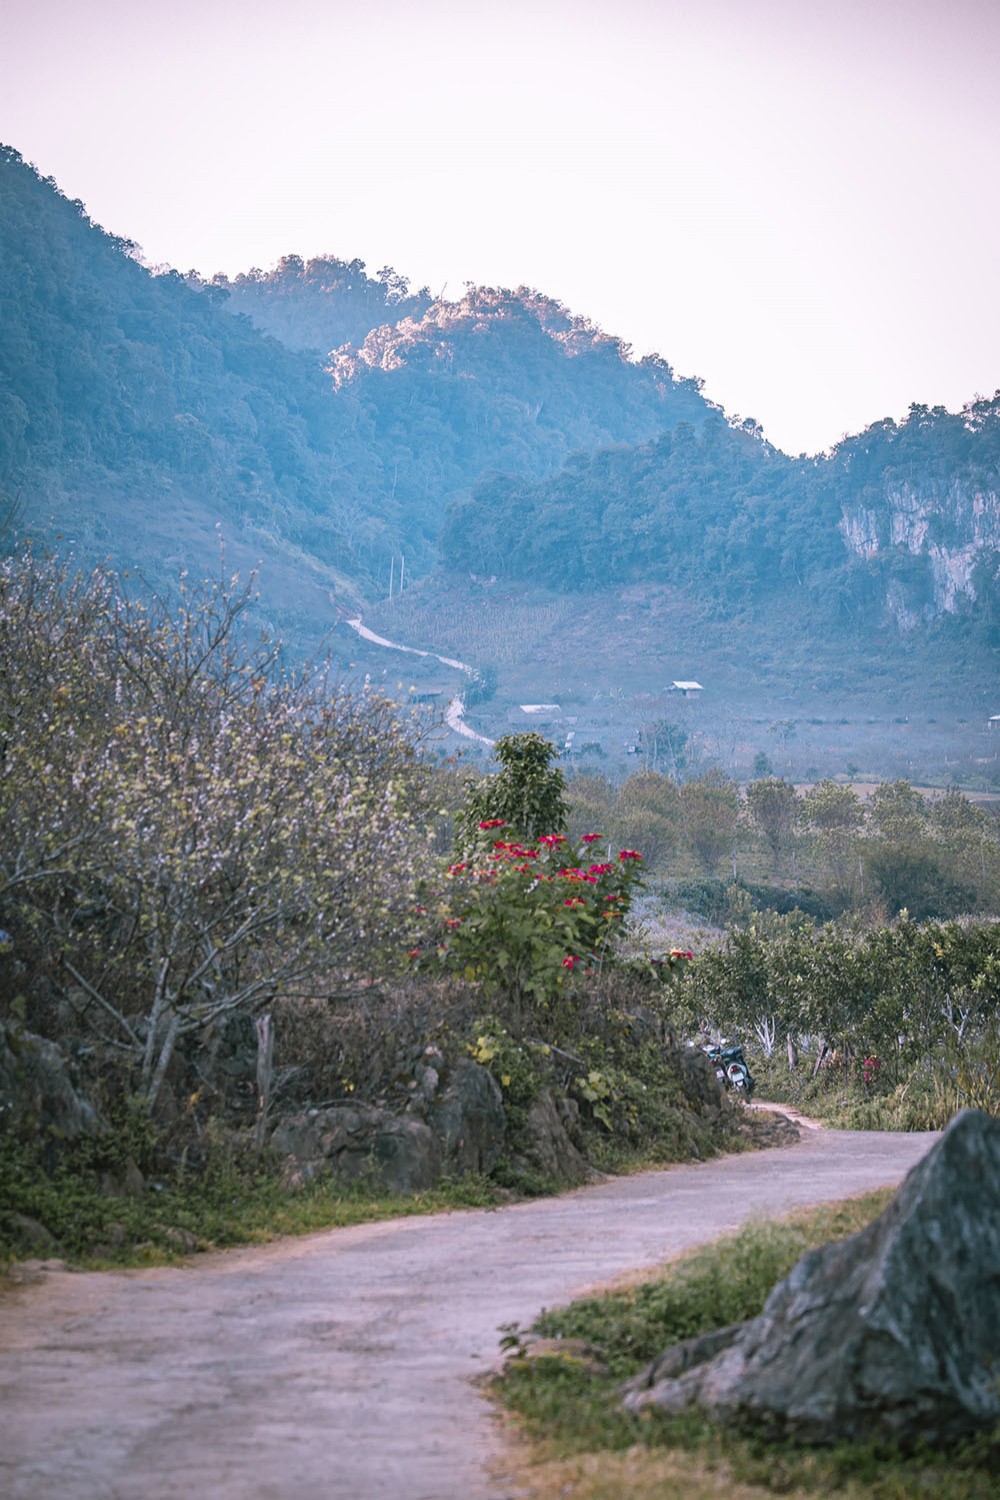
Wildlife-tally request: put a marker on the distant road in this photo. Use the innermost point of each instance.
(340, 1366)
(455, 712)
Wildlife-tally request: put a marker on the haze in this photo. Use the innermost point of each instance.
(792, 199)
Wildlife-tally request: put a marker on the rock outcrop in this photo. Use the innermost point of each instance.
(38, 1093)
(469, 1117)
(891, 1335)
(399, 1152)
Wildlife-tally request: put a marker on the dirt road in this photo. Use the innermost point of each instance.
(339, 1367)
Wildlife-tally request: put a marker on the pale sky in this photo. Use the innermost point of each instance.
(794, 199)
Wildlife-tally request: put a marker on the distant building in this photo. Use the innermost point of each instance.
(686, 689)
(993, 722)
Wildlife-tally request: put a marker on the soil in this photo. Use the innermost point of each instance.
(343, 1365)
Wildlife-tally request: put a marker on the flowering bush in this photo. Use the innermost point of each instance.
(526, 919)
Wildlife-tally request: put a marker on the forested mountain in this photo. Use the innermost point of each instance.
(500, 382)
(326, 419)
(902, 520)
(139, 410)
(136, 413)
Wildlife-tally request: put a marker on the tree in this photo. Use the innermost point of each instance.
(710, 815)
(773, 806)
(647, 815)
(185, 834)
(835, 815)
(528, 794)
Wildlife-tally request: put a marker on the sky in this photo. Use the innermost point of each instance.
(794, 200)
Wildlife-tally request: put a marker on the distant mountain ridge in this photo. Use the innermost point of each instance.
(330, 422)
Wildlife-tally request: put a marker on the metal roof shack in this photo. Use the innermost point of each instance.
(687, 689)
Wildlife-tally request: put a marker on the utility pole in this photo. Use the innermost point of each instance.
(392, 574)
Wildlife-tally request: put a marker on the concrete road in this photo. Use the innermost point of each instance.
(340, 1366)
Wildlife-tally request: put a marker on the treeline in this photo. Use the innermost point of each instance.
(826, 850)
(320, 303)
(895, 1027)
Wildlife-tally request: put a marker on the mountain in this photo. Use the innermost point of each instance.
(901, 523)
(139, 412)
(503, 382)
(328, 423)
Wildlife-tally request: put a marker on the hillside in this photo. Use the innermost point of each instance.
(333, 426)
(900, 524)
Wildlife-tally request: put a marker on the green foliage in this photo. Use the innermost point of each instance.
(710, 815)
(528, 793)
(773, 806)
(234, 1197)
(918, 1001)
(525, 921)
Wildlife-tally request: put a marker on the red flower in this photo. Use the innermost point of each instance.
(455, 869)
(413, 953)
(574, 901)
(680, 953)
(569, 962)
(629, 854)
(551, 839)
(591, 838)
(493, 823)
(601, 869)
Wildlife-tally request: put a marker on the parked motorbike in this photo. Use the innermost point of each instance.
(730, 1066)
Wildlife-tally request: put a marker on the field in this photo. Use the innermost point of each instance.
(877, 711)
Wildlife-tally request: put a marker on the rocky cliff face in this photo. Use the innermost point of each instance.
(951, 529)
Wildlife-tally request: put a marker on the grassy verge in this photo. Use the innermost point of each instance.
(929, 1095)
(89, 1217)
(564, 1392)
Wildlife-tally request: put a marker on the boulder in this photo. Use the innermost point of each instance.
(469, 1117)
(399, 1152)
(38, 1095)
(892, 1335)
(547, 1144)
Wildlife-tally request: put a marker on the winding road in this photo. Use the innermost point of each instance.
(454, 714)
(341, 1366)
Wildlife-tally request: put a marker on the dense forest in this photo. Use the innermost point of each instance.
(716, 509)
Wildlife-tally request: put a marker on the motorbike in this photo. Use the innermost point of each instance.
(730, 1066)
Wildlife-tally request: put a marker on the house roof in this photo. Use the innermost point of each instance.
(688, 687)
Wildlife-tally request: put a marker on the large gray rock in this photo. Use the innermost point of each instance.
(546, 1141)
(38, 1095)
(893, 1334)
(469, 1117)
(354, 1141)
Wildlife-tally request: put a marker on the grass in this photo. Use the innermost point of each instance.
(93, 1222)
(930, 1093)
(576, 1440)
